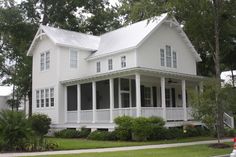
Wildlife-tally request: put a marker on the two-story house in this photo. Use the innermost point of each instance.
(143, 69)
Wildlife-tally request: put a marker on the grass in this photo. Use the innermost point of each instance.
(71, 144)
(188, 151)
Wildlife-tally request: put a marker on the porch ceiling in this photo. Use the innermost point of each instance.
(132, 71)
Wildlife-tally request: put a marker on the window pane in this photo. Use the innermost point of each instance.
(47, 60)
(174, 59)
(168, 56)
(147, 96)
(42, 98)
(162, 57)
(42, 61)
(125, 100)
(73, 58)
(98, 67)
(47, 97)
(110, 64)
(124, 84)
(37, 99)
(123, 61)
(52, 97)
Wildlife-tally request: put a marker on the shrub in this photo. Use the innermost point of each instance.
(174, 133)
(15, 130)
(230, 132)
(124, 129)
(141, 128)
(40, 124)
(84, 132)
(102, 135)
(67, 133)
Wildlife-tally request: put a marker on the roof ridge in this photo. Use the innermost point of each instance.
(66, 30)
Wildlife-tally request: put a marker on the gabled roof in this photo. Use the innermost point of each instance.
(120, 40)
(127, 37)
(67, 38)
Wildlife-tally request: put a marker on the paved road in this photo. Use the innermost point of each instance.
(111, 149)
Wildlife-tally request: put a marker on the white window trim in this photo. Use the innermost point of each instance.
(77, 60)
(98, 68)
(110, 66)
(123, 63)
(44, 62)
(39, 89)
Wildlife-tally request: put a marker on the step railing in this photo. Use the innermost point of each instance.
(229, 120)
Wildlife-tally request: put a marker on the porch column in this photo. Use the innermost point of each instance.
(138, 95)
(111, 84)
(184, 99)
(119, 97)
(65, 103)
(163, 98)
(94, 100)
(78, 102)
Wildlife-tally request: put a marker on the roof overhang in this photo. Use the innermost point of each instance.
(133, 71)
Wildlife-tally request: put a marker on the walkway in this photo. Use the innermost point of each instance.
(111, 149)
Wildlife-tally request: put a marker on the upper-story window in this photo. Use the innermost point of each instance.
(98, 67)
(73, 58)
(168, 56)
(45, 61)
(174, 59)
(162, 53)
(123, 61)
(110, 66)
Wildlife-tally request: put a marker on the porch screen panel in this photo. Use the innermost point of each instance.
(173, 97)
(154, 96)
(72, 98)
(142, 96)
(133, 93)
(116, 105)
(86, 96)
(103, 94)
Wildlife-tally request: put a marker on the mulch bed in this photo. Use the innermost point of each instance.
(220, 145)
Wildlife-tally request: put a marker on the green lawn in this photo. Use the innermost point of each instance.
(189, 151)
(68, 144)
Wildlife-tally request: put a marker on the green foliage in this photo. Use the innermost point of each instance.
(15, 130)
(84, 132)
(124, 127)
(141, 128)
(40, 123)
(230, 132)
(102, 135)
(67, 133)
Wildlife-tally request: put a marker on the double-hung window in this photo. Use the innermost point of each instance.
(98, 67)
(174, 59)
(37, 99)
(123, 61)
(162, 55)
(168, 56)
(47, 60)
(47, 97)
(42, 98)
(52, 96)
(73, 58)
(147, 96)
(42, 58)
(110, 67)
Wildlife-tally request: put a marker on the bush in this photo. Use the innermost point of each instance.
(84, 132)
(124, 129)
(40, 123)
(230, 132)
(15, 130)
(67, 133)
(102, 135)
(141, 129)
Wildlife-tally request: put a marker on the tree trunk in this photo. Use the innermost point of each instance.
(217, 4)
(30, 102)
(232, 77)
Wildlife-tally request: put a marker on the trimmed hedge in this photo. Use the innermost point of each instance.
(102, 136)
(84, 132)
(124, 129)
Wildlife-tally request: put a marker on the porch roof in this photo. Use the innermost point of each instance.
(132, 71)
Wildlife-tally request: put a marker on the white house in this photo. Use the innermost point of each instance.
(144, 69)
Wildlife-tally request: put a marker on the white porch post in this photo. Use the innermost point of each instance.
(111, 84)
(119, 97)
(138, 95)
(94, 100)
(184, 99)
(65, 103)
(163, 98)
(78, 102)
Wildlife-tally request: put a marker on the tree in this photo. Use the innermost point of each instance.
(206, 104)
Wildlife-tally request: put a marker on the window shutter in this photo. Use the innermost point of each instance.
(173, 97)
(142, 96)
(154, 96)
